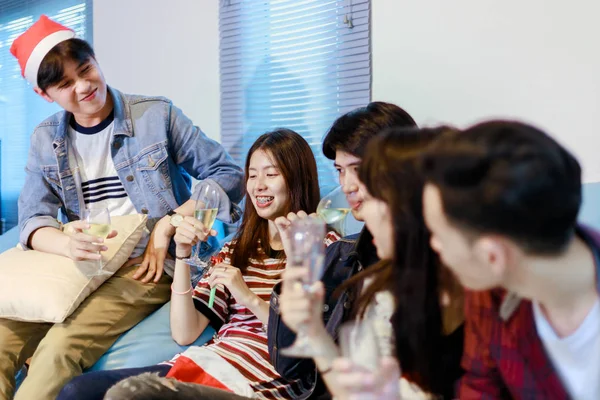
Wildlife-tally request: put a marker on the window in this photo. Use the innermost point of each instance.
(297, 64)
(20, 108)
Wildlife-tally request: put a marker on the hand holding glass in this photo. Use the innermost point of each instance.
(206, 209)
(99, 221)
(307, 251)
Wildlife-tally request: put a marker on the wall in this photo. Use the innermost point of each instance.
(464, 60)
(171, 49)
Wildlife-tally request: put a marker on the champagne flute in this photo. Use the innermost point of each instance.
(99, 221)
(307, 251)
(206, 210)
(333, 209)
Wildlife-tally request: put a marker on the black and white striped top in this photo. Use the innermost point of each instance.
(100, 183)
(101, 189)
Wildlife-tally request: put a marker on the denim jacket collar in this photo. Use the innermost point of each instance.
(123, 124)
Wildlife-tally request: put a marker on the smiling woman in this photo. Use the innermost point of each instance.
(273, 174)
(281, 177)
(266, 186)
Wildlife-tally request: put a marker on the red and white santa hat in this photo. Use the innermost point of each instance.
(32, 46)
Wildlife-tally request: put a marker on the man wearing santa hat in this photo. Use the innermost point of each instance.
(106, 150)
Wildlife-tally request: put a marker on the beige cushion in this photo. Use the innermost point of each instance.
(42, 287)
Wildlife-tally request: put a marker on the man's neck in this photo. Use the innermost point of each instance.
(564, 286)
(89, 120)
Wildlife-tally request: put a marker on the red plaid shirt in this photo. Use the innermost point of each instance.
(506, 359)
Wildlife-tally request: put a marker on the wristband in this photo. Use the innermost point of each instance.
(176, 292)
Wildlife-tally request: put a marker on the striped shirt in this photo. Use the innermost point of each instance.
(241, 338)
(100, 189)
(100, 184)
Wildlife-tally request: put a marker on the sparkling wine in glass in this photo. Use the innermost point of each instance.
(307, 251)
(206, 210)
(99, 221)
(333, 209)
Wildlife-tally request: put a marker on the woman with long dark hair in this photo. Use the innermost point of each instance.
(281, 177)
(422, 325)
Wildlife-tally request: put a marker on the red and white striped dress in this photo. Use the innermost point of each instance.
(237, 357)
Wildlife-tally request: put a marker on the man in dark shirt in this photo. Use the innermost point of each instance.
(344, 143)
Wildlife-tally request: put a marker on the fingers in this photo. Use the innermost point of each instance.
(161, 254)
(224, 272)
(112, 234)
(292, 217)
(81, 255)
(285, 222)
(88, 247)
(199, 226)
(151, 270)
(142, 268)
(292, 274)
(83, 237)
(220, 275)
(302, 214)
(282, 223)
(185, 238)
(80, 225)
(194, 229)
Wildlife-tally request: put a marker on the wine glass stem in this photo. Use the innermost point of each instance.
(198, 245)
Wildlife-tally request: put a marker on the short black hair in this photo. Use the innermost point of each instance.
(51, 69)
(508, 178)
(351, 132)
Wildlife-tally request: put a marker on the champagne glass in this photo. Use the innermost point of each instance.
(99, 221)
(333, 209)
(206, 209)
(307, 251)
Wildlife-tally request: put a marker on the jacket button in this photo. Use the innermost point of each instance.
(325, 307)
(347, 305)
(117, 145)
(144, 211)
(129, 178)
(274, 301)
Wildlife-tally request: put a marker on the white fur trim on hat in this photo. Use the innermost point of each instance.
(40, 51)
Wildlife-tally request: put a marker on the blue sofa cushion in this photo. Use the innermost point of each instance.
(147, 343)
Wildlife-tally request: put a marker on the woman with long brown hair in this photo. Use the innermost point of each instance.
(411, 301)
(281, 177)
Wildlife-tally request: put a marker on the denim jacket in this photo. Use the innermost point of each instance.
(156, 150)
(343, 259)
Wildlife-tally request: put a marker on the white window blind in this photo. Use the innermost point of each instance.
(297, 64)
(20, 108)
